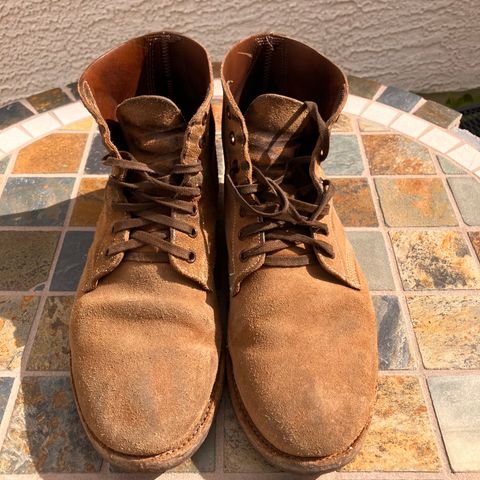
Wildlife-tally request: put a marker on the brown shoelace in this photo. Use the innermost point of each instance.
(284, 220)
(151, 198)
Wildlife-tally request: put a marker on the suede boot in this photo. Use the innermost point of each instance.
(302, 368)
(145, 334)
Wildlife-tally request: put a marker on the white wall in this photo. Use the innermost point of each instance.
(422, 45)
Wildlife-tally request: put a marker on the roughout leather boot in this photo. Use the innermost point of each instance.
(145, 334)
(302, 367)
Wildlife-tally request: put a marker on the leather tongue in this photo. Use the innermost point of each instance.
(154, 128)
(277, 127)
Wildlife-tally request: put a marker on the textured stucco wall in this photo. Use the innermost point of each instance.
(429, 45)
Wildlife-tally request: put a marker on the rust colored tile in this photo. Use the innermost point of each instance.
(217, 115)
(82, 125)
(56, 153)
(50, 99)
(475, 239)
(89, 202)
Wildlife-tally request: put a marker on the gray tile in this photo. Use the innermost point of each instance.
(4, 164)
(372, 255)
(467, 195)
(5, 388)
(363, 87)
(393, 347)
(344, 157)
(457, 405)
(438, 114)
(13, 113)
(94, 163)
(71, 261)
(398, 98)
(449, 167)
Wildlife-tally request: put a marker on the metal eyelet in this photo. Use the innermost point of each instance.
(233, 140)
(191, 257)
(193, 233)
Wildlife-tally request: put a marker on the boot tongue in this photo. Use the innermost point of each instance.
(154, 129)
(277, 126)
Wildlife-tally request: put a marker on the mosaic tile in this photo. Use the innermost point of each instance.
(449, 167)
(50, 349)
(45, 434)
(466, 156)
(56, 153)
(343, 124)
(363, 87)
(35, 201)
(89, 202)
(40, 125)
(475, 239)
(12, 138)
(414, 202)
(5, 389)
(71, 261)
(434, 260)
(380, 113)
(439, 139)
(80, 125)
(16, 317)
(447, 330)
(344, 157)
(71, 112)
(398, 98)
(217, 115)
(410, 125)
(393, 154)
(4, 164)
(457, 404)
(13, 113)
(466, 191)
(353, 202)
(393, 348)
(355, 105)
(376, 267)
(400, 437)
(73, 89)
(94, 163)
(49, 99)
(26, 259)
(369, 126)
(438, 114)
(238, 454)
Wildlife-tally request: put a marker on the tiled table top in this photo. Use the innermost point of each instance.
(407, 190)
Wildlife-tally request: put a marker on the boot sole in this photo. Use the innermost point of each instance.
(171, 458)
(282, 460)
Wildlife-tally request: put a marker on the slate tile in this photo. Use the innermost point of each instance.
(71, 261)
(372, 255)
(449, 167)
(393, 154)
(362, 87)
(5, 389)
(457, 404)
(414, 202)
(366, 125)
(35, 201)
(447, 330)
(4, 163)
(438, 114)
(475, 239)
(13, 113)
(434, 260)
(89, 202)
(343, 124)
(49, 99)
(84, 125)
(94, 163)
(26, 259)
(398, 98)
(16, 317)
(344, 157)
(466, 191)
(45, 434)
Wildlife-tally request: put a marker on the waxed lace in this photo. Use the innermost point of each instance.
(150, 199)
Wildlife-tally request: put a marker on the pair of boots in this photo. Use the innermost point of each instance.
(146, 338)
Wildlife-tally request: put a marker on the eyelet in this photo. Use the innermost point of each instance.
(233, 140)
(234, 168)
(242, 256)
(194, 212)
(107, 252)
(193, 233)
(229, 115)
(201, 142)
(191, 257)
(204, 118)
(240, 236)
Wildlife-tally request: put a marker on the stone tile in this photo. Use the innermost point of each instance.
(73, 89)
(13, 138)
(94, 163)
(410, 125)
(5, 389)
(45, 434)
(363, 87)
(49, 99)
(80, 125)
(438, 114)
(343, 124)
(449, 167)
(377, 112)
(355, 105)
(398, 98)
(13, 113)
(89, 202)
(353, 202)
(400, 437)
(238, 454)
(393, 348)
(434, 260)
(35, 201)
(26, 259)
(344, 157)
(457, 404)
(71, 113)
(369, 126)
(4, 164)
(50, 350)
(373, 258)
(40, 125)
(439, 139)
(217, 115)
(467, 195)
(56, 153)
(475, 239)
(467, 156)
(71, 261)
(414, 202)
(447, 330)
(393, 154)
(16, 317)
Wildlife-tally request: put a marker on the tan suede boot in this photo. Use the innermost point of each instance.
(301, 335)
(145, 335)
